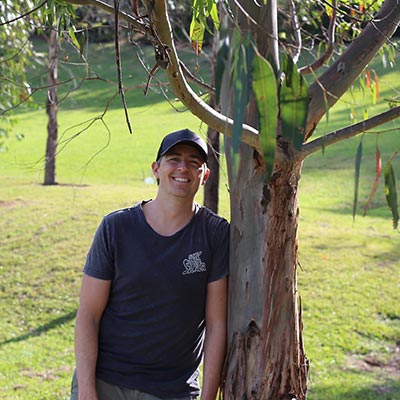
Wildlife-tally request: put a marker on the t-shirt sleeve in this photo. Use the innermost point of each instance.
(220, 245)
(100, 261)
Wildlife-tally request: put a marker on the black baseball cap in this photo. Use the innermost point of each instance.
(183, 136)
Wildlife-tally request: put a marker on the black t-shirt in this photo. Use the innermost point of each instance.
(152, 330)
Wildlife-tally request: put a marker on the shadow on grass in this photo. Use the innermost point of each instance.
(377, 210)
(388, 389)
(41, 329)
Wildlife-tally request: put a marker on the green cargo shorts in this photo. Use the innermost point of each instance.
(107, 391)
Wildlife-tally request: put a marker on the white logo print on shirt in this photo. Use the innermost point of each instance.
(194, 264)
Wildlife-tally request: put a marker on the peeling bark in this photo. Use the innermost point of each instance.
(266, 359)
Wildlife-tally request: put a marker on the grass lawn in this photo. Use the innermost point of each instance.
(349, 278)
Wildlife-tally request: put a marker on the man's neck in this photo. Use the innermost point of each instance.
(167, 218)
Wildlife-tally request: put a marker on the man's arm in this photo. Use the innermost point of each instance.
(93, 299)
(215, 339)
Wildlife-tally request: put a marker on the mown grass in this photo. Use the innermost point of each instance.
(349, 276)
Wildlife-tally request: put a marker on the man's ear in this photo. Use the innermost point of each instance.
(155, 166)
(206, 175)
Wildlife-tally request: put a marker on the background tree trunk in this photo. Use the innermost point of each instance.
(211, 189)
(51, 108)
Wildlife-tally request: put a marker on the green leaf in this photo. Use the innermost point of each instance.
(391, 193)
(265, 90)
(378, 173)
(221, 62)
(357, 176)
(74, 38)
(293, 104)
(214, 15)
(197, 34)
(82, 42)
(242, 59)
(202, 9)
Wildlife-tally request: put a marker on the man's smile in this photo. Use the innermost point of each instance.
(185, 180)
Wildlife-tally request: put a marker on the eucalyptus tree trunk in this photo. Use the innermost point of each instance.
(51, 108)
(266, 359)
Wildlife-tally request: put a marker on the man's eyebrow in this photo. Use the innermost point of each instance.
(195, 154)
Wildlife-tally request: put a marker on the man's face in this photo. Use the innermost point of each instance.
(181, 171)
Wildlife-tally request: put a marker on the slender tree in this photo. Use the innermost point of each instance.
(52, 108)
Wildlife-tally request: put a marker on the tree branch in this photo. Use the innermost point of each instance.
(308, 69)
(119, 66)
(347, 132)
(138, 23)
(328, 88)
(296, 30)
(197, 81)
(24, 14)
(180, 87)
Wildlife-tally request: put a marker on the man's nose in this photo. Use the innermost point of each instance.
(182, 165)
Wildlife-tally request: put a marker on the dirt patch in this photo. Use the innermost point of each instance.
(384, 366)
(11, 203)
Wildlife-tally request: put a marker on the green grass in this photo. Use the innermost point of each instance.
(349, 276)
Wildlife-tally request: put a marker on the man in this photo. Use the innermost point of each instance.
(154, 291)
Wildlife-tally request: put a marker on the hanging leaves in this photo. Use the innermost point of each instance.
(61, 11)
(378, 173)
(197, 34)
(368, 79)
(377, 89)
(241, 61)
(221, 63)
(372, 83)
(391, 192)
(357, 176)
(265, 90)
(293, 103)
(202, 10)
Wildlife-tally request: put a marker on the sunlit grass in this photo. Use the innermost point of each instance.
(348, 279)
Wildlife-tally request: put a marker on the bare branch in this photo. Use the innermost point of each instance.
(139, 23)
(296, 28)
(308, 69)
(118, 61)
(241, 8)
(332, 84)
(15, 55)
(198, 82)
(348, 132)
(24, 14)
